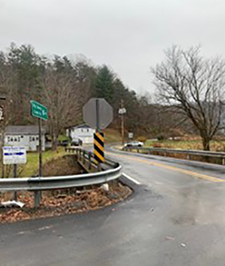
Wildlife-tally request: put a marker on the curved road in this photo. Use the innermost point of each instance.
(175, 217)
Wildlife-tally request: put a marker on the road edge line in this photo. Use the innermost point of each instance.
(131, 179)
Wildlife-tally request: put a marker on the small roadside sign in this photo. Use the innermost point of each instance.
(38, 110)
(130, 135)
(1, 113)
(14, 155)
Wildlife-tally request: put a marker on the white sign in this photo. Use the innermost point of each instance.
(14, 155)
(1, 113)
(130, 135)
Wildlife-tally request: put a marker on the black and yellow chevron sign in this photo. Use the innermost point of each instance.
(99, 147)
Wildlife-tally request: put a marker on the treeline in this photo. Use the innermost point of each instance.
(64, 85)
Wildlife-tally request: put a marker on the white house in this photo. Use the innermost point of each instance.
(27, 136)
(82, 132)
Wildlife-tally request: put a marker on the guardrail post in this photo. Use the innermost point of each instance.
(83, 157)
(89, 161)
(223, 160)
(36, 199)
(78, 156)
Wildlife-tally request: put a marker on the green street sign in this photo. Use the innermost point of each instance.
(39, 110)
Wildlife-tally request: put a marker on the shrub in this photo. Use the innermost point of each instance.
(160, 137)
(142, 139)
(157, 145)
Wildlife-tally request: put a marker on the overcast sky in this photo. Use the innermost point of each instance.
(128, 35)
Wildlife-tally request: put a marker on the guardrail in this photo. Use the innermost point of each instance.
(207, 156)
(59, 182)
(86, 158)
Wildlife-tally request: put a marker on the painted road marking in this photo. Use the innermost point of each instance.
(173, 168)
(131, 179)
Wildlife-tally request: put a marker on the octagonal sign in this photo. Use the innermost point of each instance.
(97, 113)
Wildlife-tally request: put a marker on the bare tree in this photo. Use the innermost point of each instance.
(195, 86)
(62, 101)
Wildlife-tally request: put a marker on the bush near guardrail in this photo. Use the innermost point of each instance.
(196, 155)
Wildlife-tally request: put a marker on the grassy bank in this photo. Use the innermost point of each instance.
(31, 167)
(185, 144)
(112, 135)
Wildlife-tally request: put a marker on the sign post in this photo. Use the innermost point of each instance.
(98, 114)
(41, 112)
(15, 175)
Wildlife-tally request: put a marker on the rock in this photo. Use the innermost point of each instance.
(105, 187)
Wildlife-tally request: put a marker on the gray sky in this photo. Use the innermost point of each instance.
(128, 35)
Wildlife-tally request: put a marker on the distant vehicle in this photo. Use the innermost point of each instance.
(76, 142)
(64, 143)
(134, 144)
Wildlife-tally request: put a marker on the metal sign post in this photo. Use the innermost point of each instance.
(40, 147)
(15, 175)
(41, 112)
(98, 114)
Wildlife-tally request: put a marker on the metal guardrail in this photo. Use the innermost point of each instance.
(188, 153)
(59, 182)
(89, 157)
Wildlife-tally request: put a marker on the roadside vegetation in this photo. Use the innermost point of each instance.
(196, 144)
(112, 136)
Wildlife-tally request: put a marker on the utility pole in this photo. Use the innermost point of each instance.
(2, 113)
(122, 112)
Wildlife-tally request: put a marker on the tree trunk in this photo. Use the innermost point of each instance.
(54, 142)
(206, 144)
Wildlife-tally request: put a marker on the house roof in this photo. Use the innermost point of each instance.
(80, 126)
(22, 130)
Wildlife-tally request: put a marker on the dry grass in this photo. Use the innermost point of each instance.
(215, 145)
(112, 136)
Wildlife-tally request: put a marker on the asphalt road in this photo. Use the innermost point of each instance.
(175, 217)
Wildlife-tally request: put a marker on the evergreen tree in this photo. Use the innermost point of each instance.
(104, 84)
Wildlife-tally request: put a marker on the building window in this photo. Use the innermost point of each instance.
(37, 138)
(15, 139)
(9, 139)
(21, 137)
(81, 129)
(87, 129)
(12, 139)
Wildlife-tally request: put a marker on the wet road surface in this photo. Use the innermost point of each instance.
(175, 217)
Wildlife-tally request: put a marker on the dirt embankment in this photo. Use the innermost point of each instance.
(66, 165)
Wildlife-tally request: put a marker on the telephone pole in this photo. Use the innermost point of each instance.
(122, 111)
